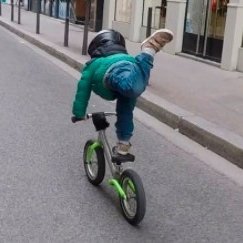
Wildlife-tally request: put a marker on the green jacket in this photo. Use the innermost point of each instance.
(92, 80)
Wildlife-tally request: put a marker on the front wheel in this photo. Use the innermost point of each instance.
(134, 204)
(94, 162)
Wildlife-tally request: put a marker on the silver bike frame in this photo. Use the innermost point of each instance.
(116, 170)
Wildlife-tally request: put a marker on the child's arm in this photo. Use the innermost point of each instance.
(82, 95)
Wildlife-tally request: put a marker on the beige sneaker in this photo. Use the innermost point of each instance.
(122, 148)
(158, 39)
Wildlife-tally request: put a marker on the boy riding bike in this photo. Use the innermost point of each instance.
(114, 74)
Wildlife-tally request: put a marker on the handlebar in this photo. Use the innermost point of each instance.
(89, 115)
(74, 119)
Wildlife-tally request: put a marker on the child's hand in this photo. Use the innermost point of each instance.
(75, 119)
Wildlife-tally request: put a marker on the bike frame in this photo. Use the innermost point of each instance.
(115, 169)
(127, 182)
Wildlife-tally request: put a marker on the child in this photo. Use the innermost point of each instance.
(114, 74)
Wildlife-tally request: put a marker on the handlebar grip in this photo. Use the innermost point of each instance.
(74, 119)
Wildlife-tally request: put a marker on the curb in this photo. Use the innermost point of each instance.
(221, 141)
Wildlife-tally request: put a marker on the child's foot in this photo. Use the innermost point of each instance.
(122, 148)
(121, 153)
(157, 40)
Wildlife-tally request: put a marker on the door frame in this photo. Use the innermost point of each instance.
(201, 44)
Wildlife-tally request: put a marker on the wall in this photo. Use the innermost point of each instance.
(122, 27)
(240, 60)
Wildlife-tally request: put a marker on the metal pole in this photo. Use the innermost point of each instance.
(18, 12)
(50, 7)
(12, 10)
(44, 6)
(57, 9)
(38, 17)
(29, 5)
(86, 27)
(149, 22)
(66, 31)
(208, 16)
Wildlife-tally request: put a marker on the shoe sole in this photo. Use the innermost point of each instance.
(119, 152)
(122, 153)
(158, 31)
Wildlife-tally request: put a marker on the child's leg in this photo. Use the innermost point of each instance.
(124, 124)
(130, 79)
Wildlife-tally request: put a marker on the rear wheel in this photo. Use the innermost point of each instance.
(94, 162)
(134, 205)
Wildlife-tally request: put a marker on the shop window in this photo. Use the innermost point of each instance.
(218, 18)
(123, 10)
(158, 13)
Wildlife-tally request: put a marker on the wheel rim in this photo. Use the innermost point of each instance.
(130, 203)
(92, 166)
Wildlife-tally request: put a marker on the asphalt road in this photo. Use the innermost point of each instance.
(44, 193)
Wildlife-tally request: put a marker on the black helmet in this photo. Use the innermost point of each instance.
(107, 42)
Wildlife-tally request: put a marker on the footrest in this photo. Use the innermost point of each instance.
(119, 158)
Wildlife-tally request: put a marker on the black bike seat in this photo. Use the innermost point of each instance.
(119, 158)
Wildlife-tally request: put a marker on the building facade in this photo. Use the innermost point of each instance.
(206, 29)
(57, 9)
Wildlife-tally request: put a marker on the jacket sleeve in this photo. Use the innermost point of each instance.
(82, 94)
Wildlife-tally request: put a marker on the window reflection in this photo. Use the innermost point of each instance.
(199, 11)
(218, 18)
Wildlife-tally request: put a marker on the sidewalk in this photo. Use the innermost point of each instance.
(200, 100)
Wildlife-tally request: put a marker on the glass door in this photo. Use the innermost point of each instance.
(204, 28)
